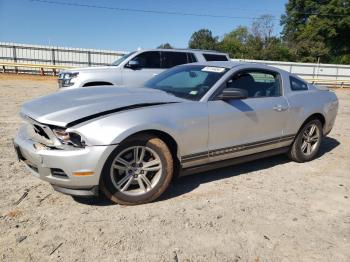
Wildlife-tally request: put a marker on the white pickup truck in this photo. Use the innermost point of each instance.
(135, 68)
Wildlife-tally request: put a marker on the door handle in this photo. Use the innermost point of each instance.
(279, 108)
(155, 74)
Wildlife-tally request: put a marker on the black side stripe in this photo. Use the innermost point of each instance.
(87, 118)
(194, 157)
(233, 149)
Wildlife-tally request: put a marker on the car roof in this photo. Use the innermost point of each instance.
(231, 64)
(182, 50)
(226, 64)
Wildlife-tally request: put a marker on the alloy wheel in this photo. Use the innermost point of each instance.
(310, 139)
(136, 170)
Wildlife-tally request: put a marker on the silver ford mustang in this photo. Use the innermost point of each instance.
(131, 142)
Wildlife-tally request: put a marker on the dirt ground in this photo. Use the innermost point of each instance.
(266, 210)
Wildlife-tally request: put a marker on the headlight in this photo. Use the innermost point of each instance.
(69, 75)
(73, 75)
(68, 138)
(66, 79)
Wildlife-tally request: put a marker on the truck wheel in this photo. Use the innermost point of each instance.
(307, 142)
(138, 171)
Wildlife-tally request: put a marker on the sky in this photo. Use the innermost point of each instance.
(32, 22)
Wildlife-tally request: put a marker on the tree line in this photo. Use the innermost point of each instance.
(312, 31)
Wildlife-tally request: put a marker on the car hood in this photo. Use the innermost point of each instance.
(97, 69)
(66, 108)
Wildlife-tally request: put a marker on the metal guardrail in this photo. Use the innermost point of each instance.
(330, 82)
(41, 67)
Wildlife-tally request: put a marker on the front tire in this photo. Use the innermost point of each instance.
(138, 171)
(307, 142)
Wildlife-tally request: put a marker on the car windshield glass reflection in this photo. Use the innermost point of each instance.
(190, 82)
(121, 59)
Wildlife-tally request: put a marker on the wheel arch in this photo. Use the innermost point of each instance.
(97, 83)
(318, 116)
(166, 137)
(169, 140)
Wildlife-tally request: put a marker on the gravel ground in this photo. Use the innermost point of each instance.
(266, 210)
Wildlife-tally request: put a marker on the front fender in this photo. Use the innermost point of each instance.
(179, 120)
(100, 132)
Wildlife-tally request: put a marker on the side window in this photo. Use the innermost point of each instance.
(258, 83)
(191, 58)
(297, 85)
(149, 59)
(213, 57)
(170, 59)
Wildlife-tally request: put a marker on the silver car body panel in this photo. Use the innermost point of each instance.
(205, 131)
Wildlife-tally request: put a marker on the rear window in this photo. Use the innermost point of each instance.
(214, 57)
(171, 59)
(297, 85)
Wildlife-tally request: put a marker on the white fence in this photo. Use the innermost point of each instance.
(78, 57)
(310, 71)
(54, 55)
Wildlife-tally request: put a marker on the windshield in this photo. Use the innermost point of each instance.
(190, 81)
(121, 59)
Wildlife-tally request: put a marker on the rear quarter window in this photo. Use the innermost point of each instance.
(214, 57)
(297, 85)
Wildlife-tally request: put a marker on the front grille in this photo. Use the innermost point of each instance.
(64, 82)
(56, 172)
(60, 83)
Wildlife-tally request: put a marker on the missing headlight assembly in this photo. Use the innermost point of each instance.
(52, 136)
(68, 138)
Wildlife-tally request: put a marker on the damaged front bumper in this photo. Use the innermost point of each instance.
(74, 172)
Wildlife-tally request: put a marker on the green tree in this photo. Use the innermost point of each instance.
(276, 50)
(256, 43)
(203, 39)
(234, 43)
(165, 46)
(318, 29)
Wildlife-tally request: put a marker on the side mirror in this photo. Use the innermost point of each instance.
(233, 93)
(133, 64)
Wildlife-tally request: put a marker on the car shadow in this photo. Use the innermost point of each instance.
(328, 144)
(187, 184)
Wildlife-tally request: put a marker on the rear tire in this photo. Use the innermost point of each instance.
(307, 142)
(138, 171)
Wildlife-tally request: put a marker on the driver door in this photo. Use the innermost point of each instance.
(149, 66)
(246, 126)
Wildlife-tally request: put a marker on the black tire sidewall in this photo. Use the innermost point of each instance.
(298, 142)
